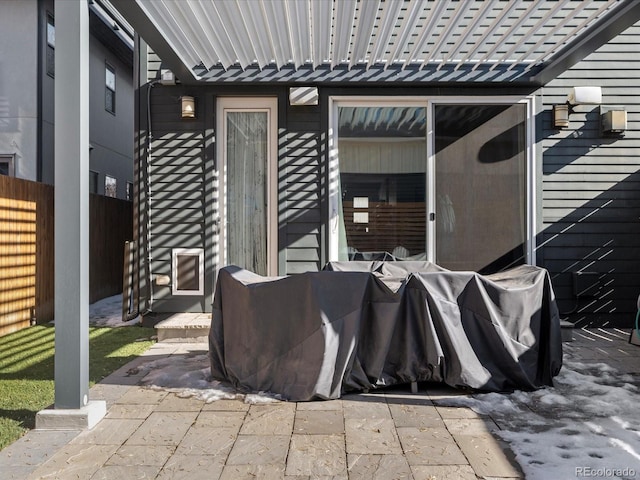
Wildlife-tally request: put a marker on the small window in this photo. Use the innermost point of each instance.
(129, 191)
(51, 46)
(110, 186)
(93, 181)
(187, 268)
(110, 89)
(6, 165)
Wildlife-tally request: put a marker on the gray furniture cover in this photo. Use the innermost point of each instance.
(366, 325)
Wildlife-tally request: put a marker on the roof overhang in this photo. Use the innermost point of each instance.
(375, 41)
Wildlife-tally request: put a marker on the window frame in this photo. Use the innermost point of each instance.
(10, 159)
(108, 91)
(195, 252)
(115, 183)
(429, 103)
(50, 46)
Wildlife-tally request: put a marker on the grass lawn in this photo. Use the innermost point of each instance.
(26, 369)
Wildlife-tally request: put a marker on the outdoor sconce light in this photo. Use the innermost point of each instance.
(585, 96)
(560, 116)
(577, 96)
(303, 96)
(613, 121)
(188, 106)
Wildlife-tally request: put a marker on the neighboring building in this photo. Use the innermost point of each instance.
(27, 78)
(305, 132)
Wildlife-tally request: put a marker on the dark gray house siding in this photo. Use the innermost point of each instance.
(590, 183)
(588, 195)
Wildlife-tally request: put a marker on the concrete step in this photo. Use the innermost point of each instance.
(184, 327)
(566, 329)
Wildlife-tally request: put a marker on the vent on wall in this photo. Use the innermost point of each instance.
(187, 271)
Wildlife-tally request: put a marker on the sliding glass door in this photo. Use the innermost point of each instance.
(429, 180)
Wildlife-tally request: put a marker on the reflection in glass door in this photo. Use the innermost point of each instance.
(480, 186)
(437, 180)
(381, 182)
(247, 191)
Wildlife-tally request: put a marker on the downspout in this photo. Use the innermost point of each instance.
(150, 301)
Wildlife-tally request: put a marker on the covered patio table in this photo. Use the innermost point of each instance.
(362, 325)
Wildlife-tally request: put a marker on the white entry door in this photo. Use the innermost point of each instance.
(247, 146)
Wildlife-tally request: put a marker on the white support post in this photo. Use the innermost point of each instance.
(72, 406)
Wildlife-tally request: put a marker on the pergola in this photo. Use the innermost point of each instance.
(303, 41)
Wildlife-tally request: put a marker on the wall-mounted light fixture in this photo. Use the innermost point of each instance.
(560, 116)
(188, 104)
(577, 96)
(303, 96)
(613, 121)
(585, 96)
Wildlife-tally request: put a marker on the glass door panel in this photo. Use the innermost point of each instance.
(382, 182)
(480, 186)
(248, 187)
(246, 238)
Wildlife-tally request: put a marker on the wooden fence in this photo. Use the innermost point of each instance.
(27, 250)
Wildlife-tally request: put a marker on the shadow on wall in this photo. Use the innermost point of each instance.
(591, 224)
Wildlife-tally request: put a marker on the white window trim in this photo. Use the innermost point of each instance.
(249, 104)
(429, 102)
(11, 160)
(199, 252)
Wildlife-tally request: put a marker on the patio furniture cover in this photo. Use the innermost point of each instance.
(366, 325)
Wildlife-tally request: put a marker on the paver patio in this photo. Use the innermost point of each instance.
(385, 435)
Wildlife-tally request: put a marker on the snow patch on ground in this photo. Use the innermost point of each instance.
(108, 313)
(587, 425)
(190, 376)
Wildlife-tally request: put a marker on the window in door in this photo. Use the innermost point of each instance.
(480, 186)
(248, 188)
(381, 181)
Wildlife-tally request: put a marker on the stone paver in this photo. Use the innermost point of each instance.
(259, 450)
(318, 455)
(394, 434)
(317, 422)
(371, 436)
(271, 419)
(443, 472)
(163, 428)
(378, 467)
(430, 446)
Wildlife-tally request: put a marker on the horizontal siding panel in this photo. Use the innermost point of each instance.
(183, 170)
(184, 160)
(297, 195)
(568, 239)
(302, 215)
(303, 254)
(285, 186)
(561, 195)
(607, 252)
(303, 228)
(187, 192)
(587, 228)
(586, 177)
(173, 229)
(594, 169)
(303, 241)
(179, 203)
(302, 204)
(604, 265)
(178, 215)
(304, 179)
(176, 187)
(302, 267)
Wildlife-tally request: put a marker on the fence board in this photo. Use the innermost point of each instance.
(27, 250)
